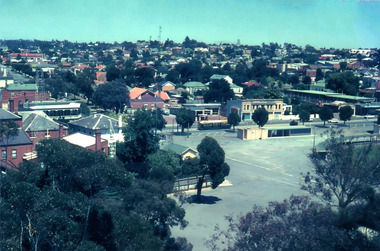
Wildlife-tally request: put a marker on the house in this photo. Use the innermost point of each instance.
(166, 86)
(29, 57)
(5, 79)
(246, 107)
(79, 68)
(21, 93)
(163, 95)
(99, 123)
(88, 142)
(101, 77)
(227, 78)
(138, 93)
(238, 90)
(13, 149)
(62, 110)
(193, 86)
(6, 116)
(39, 126)
(147, 102)
(183, 151)
(202, 111)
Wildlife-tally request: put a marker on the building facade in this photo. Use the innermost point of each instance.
(246, 107)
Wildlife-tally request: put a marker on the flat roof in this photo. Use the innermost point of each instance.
(57, 106)
(81, 139)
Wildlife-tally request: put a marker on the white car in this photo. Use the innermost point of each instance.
(333, 120)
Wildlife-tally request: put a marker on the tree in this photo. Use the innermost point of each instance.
(306, 80)
(343, 170)
(304, 115)
(84, 83)
(325, 114)
(82, 200)
(260, 116)
(345, 113)
(343, 82)
(139, 138)
(164, 167)
(211, 162)
(297, 223)
(159, 120)
(112, 95)
(319, 74)
(185, 118)
(233, 119)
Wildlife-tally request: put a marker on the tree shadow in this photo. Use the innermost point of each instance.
(181, 134)
(207, 200)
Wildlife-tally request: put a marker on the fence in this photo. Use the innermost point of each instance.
(189, 183)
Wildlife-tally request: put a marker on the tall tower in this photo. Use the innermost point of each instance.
(238, 42)
(159, 34)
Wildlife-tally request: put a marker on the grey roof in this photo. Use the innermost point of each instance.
(179, 149)
(5, 115)
(96, 122)
(21, 139)
(22, 87)
(36, 122)
(194, 84)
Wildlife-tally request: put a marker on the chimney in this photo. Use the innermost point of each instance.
(98, 143)
(60, 131)
(11, 105)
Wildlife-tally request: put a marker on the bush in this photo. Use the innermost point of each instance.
(293, 123)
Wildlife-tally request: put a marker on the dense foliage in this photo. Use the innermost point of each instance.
(73, 198)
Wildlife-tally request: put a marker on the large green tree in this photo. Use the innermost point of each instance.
(111, 95)
(345, 113)
(139, 138)
(219, 91)
(81, 200)
(211, 162)
(325, 114)
(233, 119)
(304, 115)
(185, 118)
(343, 82)
(260, 116)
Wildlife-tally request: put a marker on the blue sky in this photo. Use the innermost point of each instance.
(320, 23)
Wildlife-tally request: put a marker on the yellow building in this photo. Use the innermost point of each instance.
(246, 107)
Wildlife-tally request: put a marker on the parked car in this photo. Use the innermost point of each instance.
(333, 120)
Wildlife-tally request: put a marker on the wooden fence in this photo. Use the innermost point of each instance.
(189, 183)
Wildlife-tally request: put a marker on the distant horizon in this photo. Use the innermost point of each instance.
(222, 42)
(339, 24)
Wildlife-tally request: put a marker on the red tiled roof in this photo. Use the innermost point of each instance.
(163, 95)
(137, 92)
(101, 76)
(24, 55)
(82, 66)
(251, 83)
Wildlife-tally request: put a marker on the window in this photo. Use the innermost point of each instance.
(4, 154)
(14, 153)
